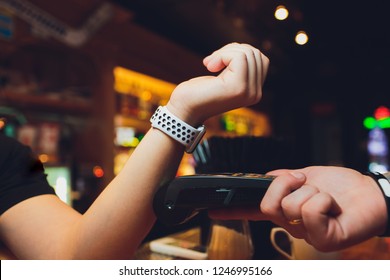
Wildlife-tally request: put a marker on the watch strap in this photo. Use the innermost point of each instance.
(177, 129)
(384, 184)
(386, 175)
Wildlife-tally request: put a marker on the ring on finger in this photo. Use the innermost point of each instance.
(295, 222)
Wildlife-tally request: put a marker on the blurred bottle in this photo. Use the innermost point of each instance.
(230, 240)
(378, 150)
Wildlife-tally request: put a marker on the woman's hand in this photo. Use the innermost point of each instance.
(243, 71)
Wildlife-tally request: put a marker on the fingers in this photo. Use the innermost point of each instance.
(281, 187)
(263, 64)
(255, 66)
(299, 207)
(247, 64)
(319, 215)
(219, 58)
(264, 67)
(279, 172)
(302, 209)
(292, 204)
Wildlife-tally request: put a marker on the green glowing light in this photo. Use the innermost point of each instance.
(384, 123)
(230, 126)
(370, 123)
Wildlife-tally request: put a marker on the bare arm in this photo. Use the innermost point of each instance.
(45, 228)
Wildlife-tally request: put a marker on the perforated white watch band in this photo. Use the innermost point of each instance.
(179, 130)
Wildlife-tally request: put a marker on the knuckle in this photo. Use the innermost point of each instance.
(272, 210)
(242, 56)
(287, 205)
(257, 52)
(267, 209)
(306, 209)
(265, 59)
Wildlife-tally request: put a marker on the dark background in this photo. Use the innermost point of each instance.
(318, 94)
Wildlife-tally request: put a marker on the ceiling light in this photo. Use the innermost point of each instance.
(281, 12)
(301, 38)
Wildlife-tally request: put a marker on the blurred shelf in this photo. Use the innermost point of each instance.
(130, 121)
(46, 103)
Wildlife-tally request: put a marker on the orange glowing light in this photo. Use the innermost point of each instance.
(98, 171)
(43, 158)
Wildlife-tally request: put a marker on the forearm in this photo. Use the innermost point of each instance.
(43, 227)
(125, 205)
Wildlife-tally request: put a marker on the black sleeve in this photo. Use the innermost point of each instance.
(21, 174)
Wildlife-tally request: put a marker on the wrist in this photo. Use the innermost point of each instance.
(383, 187)
(179, 130)
(185, 115)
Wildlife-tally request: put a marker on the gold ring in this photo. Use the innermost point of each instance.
(295, 222)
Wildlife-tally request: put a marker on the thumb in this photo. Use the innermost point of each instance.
(214, 63)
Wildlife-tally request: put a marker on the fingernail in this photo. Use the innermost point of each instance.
(298, 175)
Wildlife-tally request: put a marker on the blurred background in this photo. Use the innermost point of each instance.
(80, 79)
